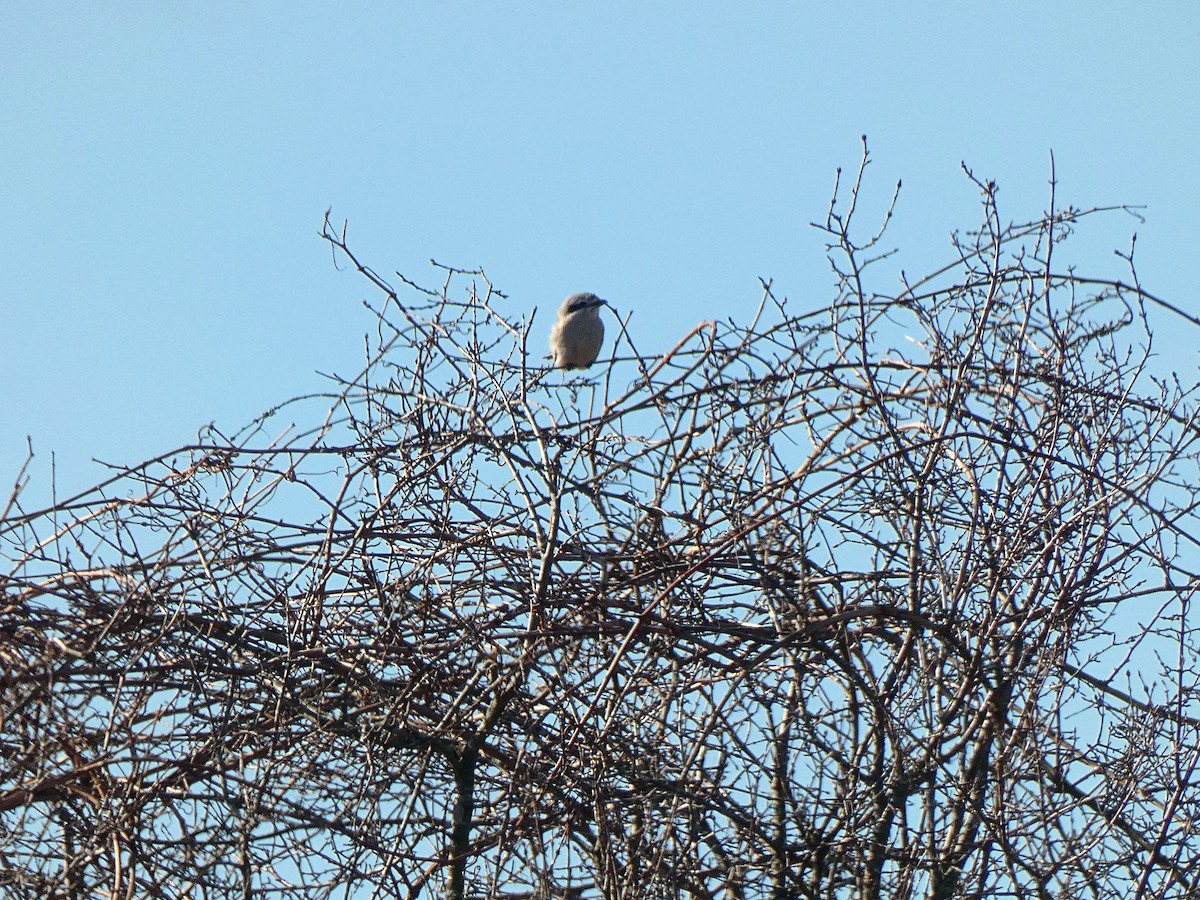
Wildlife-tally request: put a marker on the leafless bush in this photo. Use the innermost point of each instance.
(892, 599)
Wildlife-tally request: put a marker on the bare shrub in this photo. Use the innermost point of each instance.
(890, 599)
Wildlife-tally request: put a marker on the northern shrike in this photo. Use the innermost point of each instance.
(576, 336)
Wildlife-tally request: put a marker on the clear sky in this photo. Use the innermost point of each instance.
(165, 167)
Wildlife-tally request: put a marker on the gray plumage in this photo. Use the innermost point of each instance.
(577, 334)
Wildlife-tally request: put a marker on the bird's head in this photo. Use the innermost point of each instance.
(577, 303)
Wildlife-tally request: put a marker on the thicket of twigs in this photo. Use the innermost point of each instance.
(892, 599)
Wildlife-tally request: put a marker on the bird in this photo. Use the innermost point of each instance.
(577, 334)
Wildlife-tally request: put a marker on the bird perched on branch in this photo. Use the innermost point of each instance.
(576, 336)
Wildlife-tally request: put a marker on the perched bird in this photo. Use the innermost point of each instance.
(576, 336)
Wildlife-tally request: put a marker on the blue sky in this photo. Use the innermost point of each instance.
(166, 166)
